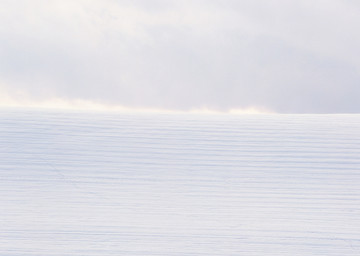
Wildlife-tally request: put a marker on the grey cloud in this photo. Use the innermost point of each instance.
(286, 56)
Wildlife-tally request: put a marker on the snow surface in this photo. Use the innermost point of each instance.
(156, 184)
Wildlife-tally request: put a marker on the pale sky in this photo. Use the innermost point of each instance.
(283, 56)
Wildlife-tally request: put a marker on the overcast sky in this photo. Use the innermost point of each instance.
(286, 56)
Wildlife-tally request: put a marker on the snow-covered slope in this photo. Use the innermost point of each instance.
(155, 184)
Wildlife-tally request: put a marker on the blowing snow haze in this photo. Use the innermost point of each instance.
(284, 56)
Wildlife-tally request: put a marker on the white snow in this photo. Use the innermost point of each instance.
(156, 184)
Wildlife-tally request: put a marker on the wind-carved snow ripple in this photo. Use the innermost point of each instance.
(156, 184)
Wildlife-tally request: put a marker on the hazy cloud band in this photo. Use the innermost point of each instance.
(285, 56)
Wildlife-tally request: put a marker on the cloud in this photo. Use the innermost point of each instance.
(286, 56)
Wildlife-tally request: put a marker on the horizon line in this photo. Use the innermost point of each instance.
(92, 106)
